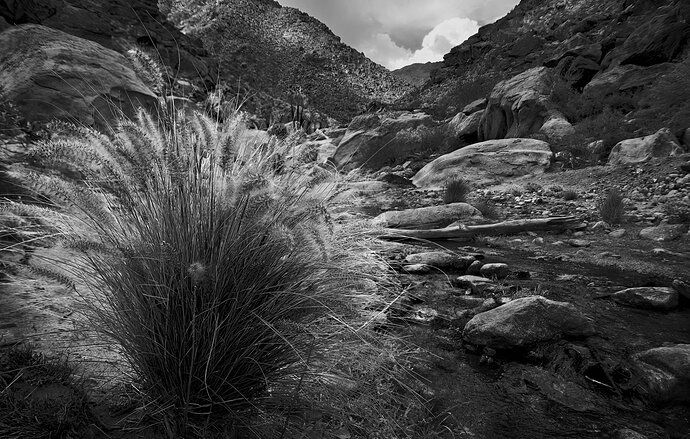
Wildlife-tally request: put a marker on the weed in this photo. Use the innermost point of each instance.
(612, 207)
(456, 190)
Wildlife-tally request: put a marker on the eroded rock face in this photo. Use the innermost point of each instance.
(50, 74)
(373, 142)
(666, 372)
(428, 217)
(518, 106)
(493, 159)
(660, 144)
(525, 321)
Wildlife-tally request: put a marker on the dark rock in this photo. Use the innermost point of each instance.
(498, 271)
(395, 179)
(476, 284)
(664, 232)
(656, 298)
(666, 372)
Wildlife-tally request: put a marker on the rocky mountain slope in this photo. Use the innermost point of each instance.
(579, 39)
(281, 50)
(417, 74)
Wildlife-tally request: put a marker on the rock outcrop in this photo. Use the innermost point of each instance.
(490, 160)
(526, 321)
(660, 144)
(51, 74)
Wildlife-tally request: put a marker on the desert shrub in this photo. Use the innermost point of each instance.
(231, 295)
(611, 207)
(611, 126)
(27, 407)
(569, 195)
(456, 190)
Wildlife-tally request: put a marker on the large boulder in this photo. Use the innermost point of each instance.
(666, 372)
(486, 161)
(372, 141)
(526, 321)
(631, 151)
(518, 106)
(465, 127)
(557, 126)
(50, 74)
(655, 298)
(428, 217)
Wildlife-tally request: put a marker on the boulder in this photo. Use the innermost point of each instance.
(487, 161)
(499, 271)
(517, 107)
(50, 74)
(622, 80)
(631, 151)
(655, 298)
(526, 321)
(682, 287)
(440, 259)
(557, 127)
(663, 232)
(373, 142)
(475, 106)
(666, 372)
(465, 127)
(428, 217)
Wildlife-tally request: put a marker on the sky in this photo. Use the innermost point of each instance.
(396, 33)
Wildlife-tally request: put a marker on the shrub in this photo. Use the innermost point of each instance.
(611, 207)
(569, 195)
(218, 275)
(456, 190)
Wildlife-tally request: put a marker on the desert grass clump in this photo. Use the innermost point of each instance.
(456, 190)
(212, 264)
(488, 208)
(569, 195)
(611, 207)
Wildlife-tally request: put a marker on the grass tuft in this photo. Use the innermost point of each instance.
(456, 190)
(612, 207)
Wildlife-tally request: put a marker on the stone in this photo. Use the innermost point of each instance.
(417, 268)
(527, 321)
(487, 161)
(474, 268)
(622, 80)
(465, 127)
(372, 141)
(440, 260)
(682, 287)
(519, 106)
(654, 298)
(476, 284)
(640, 150)
(50, 74)
(579, 243)
(618, 233)
(626, 433)
(475, 106)
(428, 217)
(666, 372)
(664, 232)
(600, 226)
(498, 271)
(557, 127)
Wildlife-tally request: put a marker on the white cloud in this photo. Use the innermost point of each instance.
(435, 44)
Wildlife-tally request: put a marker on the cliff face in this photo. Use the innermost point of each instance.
(278, 50)
(580, 39)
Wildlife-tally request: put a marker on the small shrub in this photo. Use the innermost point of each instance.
(569, 195)
(612, 207)
(456, 190)
(532, 187)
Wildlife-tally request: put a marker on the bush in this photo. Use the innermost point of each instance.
(569, 195)
(611, 207)
(456, 190)
(220, 277)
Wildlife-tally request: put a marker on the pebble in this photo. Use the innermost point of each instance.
(618, 233)
(579, 243)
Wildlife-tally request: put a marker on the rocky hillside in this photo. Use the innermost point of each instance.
(280, 50)
(579, 39)
(417, 74)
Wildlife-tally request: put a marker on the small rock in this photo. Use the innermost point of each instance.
(476, 284)
(441, 260)
(538, 241)
(579, 242)
(474, 268)
(605, 255)
(417, 268)
(498, 271)
(618, 233)
(682, 287)
(664, 232)
(600, 226)
(664, 252)
(656, 298)
(468, 302)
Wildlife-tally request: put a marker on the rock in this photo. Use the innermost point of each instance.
(474, 268)
(685, 140)
(475, 106)
(557, 389)
(428, 217)
(476, 284)
(579, 243)
(50, 74)
(468, 302)
(664, 232)
(526, 321)
(596, 148)
(600, 226)
(440, 260)
(682, 287)
(395, 179)
(373, 142)
(661, 144)
(557, 127)
(666, 372)
(517, 107)
(626, 433)
(655, 298)
(417, 268)
(622, 80)
(465, 128)
(498, 271)
(487, 161)
(618, 233)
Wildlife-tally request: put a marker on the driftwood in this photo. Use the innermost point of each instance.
(502, 228)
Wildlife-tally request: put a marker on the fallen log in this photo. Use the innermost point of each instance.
(503, 228)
